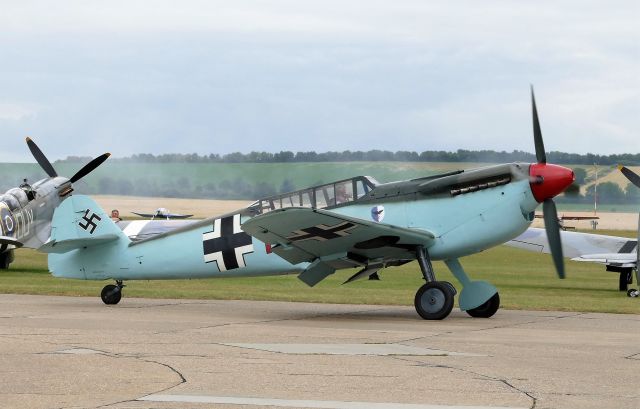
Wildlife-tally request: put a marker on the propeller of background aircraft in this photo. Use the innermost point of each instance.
(544, 190)
(49, 170)
(631, 175)
(635, 179)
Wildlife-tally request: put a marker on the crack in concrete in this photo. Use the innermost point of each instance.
(534, 400)
(633, 357)
(130, 356)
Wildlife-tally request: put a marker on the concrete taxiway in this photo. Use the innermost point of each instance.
(65, 352)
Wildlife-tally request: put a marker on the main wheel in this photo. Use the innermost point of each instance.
(434, 300)
(626, 278)
(4, 261)
(487, 309)
(6, 258)
(633, 293)
(111, 294)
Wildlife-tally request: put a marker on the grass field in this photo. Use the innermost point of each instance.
(525, 280)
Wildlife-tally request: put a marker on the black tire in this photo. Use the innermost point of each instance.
(488, 309)
(434, 301)
(5, 260)
(626, 278)
(111, 294)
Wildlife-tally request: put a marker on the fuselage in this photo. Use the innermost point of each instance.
(473, 219)
(26, 211)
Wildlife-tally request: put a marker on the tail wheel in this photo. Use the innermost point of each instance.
(111, 294)
(434, 300)
(488, 309)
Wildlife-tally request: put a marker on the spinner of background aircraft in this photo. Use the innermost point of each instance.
(619, 254)
(352, 223)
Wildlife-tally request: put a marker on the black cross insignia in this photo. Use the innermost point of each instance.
(226, 244)
(322, 232)
(89, 221)
(628, 247)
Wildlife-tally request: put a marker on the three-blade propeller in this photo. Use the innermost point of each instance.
(551, 223)
(49, 170)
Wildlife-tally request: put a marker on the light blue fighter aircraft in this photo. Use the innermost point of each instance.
(352, 223)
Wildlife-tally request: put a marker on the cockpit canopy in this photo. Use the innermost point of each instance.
(319, 197)
(15, 198)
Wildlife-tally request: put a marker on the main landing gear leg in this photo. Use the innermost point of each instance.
(111, 294)
(626, 278)
(434, 300)
(478, 298)
(633, 293)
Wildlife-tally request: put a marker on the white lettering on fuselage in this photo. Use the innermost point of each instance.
(24, 220)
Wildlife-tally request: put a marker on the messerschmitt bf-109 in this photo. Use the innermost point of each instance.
(619, 254)
(352, 223)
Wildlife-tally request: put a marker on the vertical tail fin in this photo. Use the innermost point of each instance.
(79, 222)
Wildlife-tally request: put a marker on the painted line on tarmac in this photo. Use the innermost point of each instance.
(349, 349)
(297, 403)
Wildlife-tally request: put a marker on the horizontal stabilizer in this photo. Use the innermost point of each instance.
(10, 241)
(63, 246)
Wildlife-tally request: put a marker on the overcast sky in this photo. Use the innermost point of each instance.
(84, 77)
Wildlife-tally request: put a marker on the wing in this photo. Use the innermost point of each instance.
(146, 215)
(625, 260)
(331, 241)
(574, 244)
(10, 241)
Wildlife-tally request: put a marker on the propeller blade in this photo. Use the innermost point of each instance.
(541, 156)
(552, 226)
(41, 159)
(89, 167)
(631, 175)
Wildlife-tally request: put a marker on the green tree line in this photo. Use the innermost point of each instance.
(461, 155)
